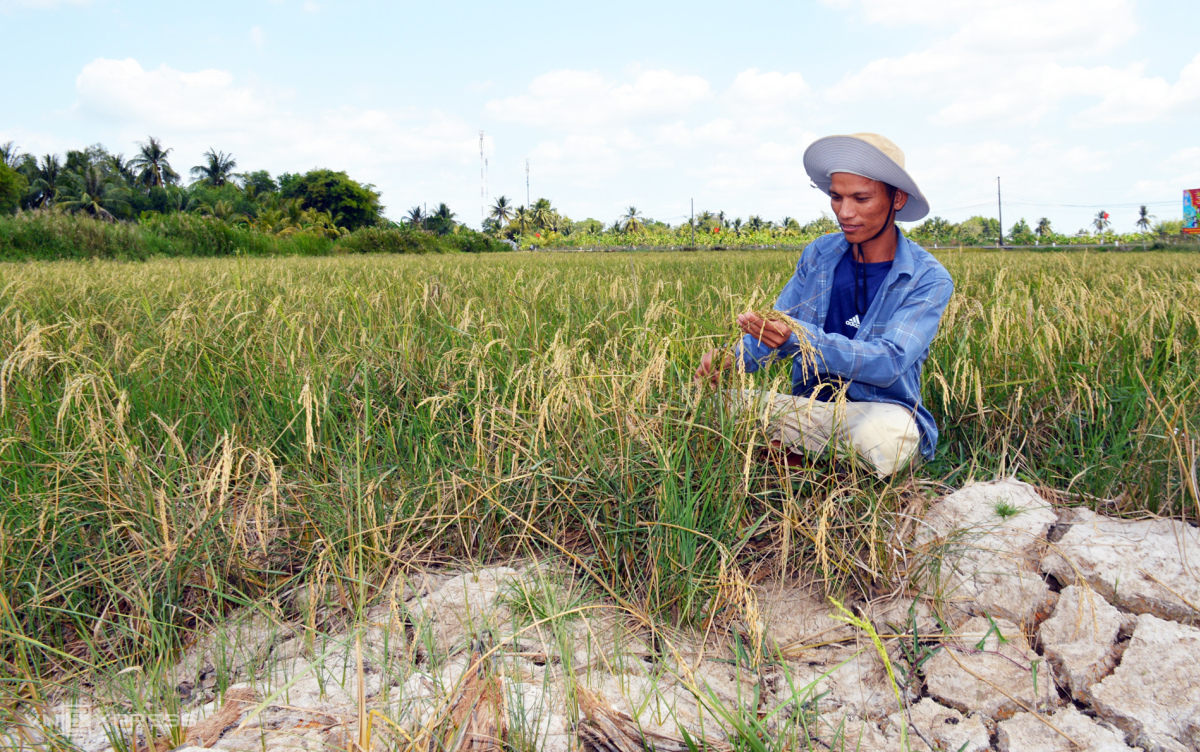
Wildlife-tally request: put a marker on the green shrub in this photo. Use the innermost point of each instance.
(51, 235)
(469, 241)
(389, 240)
(12, 187)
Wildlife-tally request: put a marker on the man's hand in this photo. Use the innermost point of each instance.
(711, 365)
(771, 333)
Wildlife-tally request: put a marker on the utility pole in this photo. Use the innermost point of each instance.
(693, 223)
(526, 183)
(1000, 211)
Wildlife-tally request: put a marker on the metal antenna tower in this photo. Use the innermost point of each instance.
(482, 184)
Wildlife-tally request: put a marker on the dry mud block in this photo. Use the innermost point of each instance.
(1080, 639)
(983, 545)
(979, 673)
(1154, 695)
(797, 614)
(1025, 733)
(1145, 566)
(464, 605)
(943, 726)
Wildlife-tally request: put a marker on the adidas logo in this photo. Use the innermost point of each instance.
(854, 322)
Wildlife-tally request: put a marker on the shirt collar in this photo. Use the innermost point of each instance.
(904, 263)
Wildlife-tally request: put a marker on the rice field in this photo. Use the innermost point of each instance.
(179, 438)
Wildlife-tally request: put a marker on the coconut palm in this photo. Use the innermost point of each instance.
(1144, 217)
(1100, 222)
(632, 220)
(118, 166)
(153, 169)
(219, 168)
(220, 209)
(502, 211)
(48, 179)
(415, 216)
(97, 195)
(1043, 228)
(754, 223)
(441, 220)
(542, 213)
(522, 219)
(10, 155)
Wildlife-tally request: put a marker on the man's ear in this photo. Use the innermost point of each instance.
(900, 200)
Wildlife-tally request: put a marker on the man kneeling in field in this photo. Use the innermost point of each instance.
(869, 301)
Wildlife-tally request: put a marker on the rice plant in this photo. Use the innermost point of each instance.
(179, 438)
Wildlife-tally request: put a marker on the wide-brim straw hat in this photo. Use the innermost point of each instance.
(868, 155)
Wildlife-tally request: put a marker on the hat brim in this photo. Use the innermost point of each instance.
(848, 154)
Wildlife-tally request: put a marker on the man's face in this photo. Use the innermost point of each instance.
(861, 205)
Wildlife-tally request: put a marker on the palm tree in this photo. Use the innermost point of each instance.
(220, 209)
(1144, 217)
(522, 218)
(542, 212)
(1043, 228)
(441, 220)
(218, 171)
(97, 195)
(632, 220)
(48, 179)
(415, 216)
(737, 226)
(501, 211)
(10, 155)
(1100, 221)
(153, 169)
(120, 167)
(754, 223)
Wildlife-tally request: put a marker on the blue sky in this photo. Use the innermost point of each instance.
(1079, 106)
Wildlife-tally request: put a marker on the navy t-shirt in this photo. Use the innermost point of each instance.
(844, 315)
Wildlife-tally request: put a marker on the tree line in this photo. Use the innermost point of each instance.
(541, 225)
(107, 186)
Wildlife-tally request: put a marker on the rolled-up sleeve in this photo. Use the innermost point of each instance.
(753, 353)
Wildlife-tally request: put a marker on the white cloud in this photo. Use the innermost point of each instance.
(257, 38)
(573, 98)
(722, 144)
(1010, 26)
(1014, 62)
(192, 111)
(768, 89)
(201, 101)
(1182, 170)
(1130, 97)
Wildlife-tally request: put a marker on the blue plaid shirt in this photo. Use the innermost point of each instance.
(883, 361)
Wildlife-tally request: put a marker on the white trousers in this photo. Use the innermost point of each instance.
(882, 434)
